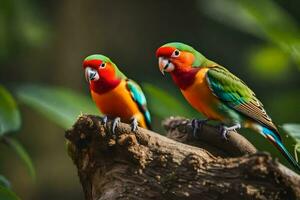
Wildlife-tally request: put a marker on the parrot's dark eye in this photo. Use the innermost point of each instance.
(102, 65)
(176, 53)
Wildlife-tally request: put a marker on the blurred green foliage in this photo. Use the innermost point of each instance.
(268, 60)
(6, 194)
(265, 20)
(4, 182)
(21, 152)
(293, 130)
(10, 119)
(60, 105)
(10, 122)
(20, 27)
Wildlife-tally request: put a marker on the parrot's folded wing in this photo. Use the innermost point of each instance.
(140, 99)
(236, 94)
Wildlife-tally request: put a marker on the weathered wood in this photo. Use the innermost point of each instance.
(146, 165)
(208, 137)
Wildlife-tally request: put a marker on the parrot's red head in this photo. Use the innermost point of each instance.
(177, 56)
(102, 74)
(181, 60)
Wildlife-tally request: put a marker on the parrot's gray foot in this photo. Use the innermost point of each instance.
(224, 130)
(104, 119)
(115, 124)
(197, 124)
(134, 124)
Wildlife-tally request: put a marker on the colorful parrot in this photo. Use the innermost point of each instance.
(115, 95)
(214, 91)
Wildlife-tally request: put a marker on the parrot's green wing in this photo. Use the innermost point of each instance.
(140, 99)
(237, 95)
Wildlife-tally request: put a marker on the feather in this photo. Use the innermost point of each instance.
(140, 99)
(269, 134)
(237, 95)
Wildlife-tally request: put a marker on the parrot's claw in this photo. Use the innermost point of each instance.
(197, 125)
(224, 130)
(104, 119)
(134, 124)
(115, 124)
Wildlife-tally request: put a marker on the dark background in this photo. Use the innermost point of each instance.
(45, 42)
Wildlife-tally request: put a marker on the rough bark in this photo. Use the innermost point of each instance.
(146, 165)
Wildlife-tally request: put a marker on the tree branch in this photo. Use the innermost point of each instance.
(208, 138)
(146, 165)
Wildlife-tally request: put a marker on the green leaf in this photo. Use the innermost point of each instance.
(7, 194)
(60, 105)
(296, 150)
(23, 155)
(4, 182)
(163, 104)
(10, 119)
(293, 130)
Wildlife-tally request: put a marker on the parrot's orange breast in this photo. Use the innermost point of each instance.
(118, 103)
(201, 97)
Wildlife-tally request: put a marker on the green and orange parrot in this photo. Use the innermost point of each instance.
(214, 91)
(115, 95)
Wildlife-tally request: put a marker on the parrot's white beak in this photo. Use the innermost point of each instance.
(165, 65)
(91, 74)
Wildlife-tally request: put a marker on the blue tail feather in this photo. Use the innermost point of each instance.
(270, 135)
